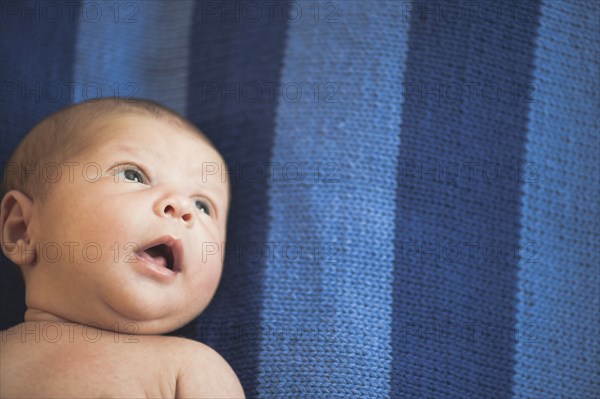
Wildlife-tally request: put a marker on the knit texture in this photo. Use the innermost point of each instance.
(414, 184)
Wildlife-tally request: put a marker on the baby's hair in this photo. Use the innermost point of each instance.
(64, 133)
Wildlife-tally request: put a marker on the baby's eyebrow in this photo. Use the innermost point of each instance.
(129, 149)
(217, 189)
(125, 149)
(214, 182)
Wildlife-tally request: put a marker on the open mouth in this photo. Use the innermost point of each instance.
(162, 254)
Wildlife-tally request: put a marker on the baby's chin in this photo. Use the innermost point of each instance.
(134, 327)
(136, 319)
(134, 312)
(111, 322)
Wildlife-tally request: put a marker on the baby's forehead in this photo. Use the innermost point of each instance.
(123, 126)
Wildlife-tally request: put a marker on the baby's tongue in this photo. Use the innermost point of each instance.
(154, 256)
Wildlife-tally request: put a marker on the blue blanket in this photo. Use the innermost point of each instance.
(415, 184)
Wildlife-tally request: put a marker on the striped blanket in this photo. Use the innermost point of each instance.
(415, 184)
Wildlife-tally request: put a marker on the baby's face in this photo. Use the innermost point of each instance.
(141, 243)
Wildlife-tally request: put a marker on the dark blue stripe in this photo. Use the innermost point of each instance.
(464, 120)
(233, 65)
(37, 50)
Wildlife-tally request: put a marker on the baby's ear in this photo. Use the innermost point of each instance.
(15, 214)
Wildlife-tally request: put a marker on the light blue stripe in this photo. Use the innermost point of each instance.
(559, 280)
(134, 48)
(334, 310)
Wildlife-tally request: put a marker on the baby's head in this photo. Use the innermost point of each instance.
(116, 212)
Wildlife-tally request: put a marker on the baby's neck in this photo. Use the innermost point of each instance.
(32, 315)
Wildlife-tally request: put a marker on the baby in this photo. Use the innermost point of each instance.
(112, 211)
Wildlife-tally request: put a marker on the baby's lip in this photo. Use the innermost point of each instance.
(174, 244)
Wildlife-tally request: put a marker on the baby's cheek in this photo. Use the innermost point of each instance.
(213, 275)
(207, 279)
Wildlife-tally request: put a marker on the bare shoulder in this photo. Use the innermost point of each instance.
(203, 373)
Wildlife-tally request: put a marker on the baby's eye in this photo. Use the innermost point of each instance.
(131, 173)
(203, 206)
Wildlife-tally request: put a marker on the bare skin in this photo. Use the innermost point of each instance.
(61, 360)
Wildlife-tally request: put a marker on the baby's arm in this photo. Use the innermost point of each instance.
(205, 374)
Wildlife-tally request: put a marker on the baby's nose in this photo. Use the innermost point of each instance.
(176, 206)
